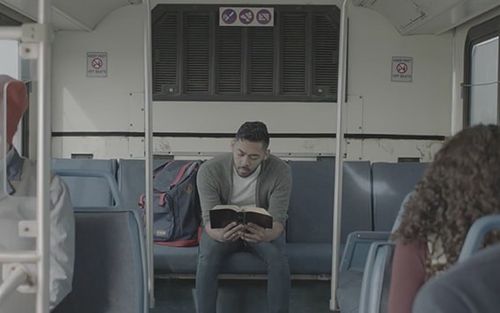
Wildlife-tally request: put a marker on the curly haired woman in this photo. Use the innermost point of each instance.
(461, 185)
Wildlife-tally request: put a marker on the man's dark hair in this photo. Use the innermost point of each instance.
(255, 132)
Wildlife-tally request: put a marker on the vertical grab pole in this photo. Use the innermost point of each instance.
(148, 142)
(337, 205)
(44, 158)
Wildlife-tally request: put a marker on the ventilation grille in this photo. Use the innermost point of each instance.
(196, 33)
(228, 59)
(164, 36)
(293, 53)
(261, 60)
(324, 55)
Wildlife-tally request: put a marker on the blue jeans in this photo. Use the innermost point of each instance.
(213, 253)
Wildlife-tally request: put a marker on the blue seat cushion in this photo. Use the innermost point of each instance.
(309, 258)
(304, 258)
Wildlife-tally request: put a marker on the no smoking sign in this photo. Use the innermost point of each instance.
(402, 69)
(97, 64)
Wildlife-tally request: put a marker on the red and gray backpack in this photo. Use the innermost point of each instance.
(176, 204)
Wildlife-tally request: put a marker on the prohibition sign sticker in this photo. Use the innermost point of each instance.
(246, 16)
(264, 16)
(402, 69)
(229, 16)
(97, 64)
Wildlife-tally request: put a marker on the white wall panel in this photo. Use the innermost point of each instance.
(375, 104)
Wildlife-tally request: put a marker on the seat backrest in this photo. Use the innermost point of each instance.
(391, 182)
(469, 286)
(376, 278)
(477, 233)
(311, 203)
(357, 248)
(88, 191)
(110, 272)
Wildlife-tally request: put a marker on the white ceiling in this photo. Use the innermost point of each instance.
(71, 14)
(428, 16)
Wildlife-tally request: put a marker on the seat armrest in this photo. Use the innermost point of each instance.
(376, 277)
(356, 249)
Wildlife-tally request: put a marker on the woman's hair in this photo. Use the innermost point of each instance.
(461, 185)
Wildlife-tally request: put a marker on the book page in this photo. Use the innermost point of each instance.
(255, 209)
(227, 206)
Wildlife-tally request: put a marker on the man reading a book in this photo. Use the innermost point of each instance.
(248, 177)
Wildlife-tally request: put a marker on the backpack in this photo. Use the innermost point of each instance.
(176, 204)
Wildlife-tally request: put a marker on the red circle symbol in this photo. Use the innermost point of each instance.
(96, 63)
(401, 68)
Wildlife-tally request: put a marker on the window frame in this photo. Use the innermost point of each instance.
(477, 34)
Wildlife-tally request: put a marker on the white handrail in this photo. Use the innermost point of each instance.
(15, 279)
(148, 145)
(337, 201)
(44, 154)
(11, 32)
(19, 256)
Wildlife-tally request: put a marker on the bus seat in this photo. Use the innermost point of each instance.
(376, 278)
(87, 191)
(310, 213)
(476, 235)
(391, 183)
(454, 291)
(310, 225)
(352, 267)
(110, 270)
(472, 285)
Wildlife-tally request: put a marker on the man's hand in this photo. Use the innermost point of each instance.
(254, 233)
(231, 232)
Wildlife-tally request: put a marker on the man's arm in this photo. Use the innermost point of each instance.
(209, 198)
(62, 242)
(279, 201)
(208, 192)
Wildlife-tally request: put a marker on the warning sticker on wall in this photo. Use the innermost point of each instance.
(242, 16)
(402, 69)
(97, 64)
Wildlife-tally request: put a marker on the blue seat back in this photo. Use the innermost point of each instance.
(376, 278)
(391, 182)
(110, 271)
(88, 191)
(475, 236)
(310, 212)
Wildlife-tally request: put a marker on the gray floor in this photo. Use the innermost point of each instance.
(241, 296)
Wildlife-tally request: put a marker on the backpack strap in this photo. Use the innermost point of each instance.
(180, 174)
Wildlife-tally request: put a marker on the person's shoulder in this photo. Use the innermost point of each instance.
(216, 163)
(276, 162)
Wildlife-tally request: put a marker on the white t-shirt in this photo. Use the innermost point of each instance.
(244, 188)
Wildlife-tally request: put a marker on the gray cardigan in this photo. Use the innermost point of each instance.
(215, 183)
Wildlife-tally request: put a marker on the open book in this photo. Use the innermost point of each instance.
(222, 215)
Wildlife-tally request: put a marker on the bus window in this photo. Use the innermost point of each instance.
(484, 82)
(9, 60)
(481, 74)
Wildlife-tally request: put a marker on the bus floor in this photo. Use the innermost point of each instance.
(240, 296)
